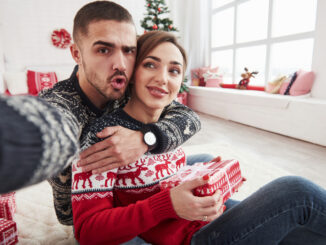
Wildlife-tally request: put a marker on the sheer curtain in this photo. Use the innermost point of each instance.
(191, 17)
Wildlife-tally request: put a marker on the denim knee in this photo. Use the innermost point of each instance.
(297, 188)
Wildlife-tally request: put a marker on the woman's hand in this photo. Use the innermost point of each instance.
(121, 147)
(190, 207)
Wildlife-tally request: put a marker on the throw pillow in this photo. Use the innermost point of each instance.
(16, 82)
(37, 81)
(275, 86)
(302, 84)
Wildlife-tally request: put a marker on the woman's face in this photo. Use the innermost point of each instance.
(158, 77)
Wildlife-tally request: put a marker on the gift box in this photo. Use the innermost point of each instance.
(7, 206)
(212, 79)
(8, 232)
(182, 98)
(223, 175)
(197, 75)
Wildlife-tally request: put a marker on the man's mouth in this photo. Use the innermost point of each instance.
(118, 82)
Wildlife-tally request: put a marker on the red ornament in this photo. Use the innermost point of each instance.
(159, 9)
(170, 27)
(155, 27)
(148, 5)
(61, 38)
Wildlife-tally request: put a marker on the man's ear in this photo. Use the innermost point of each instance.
(75, 53)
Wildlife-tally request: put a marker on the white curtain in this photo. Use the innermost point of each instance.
(191, 17)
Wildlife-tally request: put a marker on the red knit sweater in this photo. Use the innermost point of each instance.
(114, 207)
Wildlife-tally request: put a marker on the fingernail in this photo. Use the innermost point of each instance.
(206, 177)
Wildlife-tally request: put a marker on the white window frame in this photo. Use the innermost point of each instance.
(269, 41)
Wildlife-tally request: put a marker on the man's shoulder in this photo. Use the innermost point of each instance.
(65, 88)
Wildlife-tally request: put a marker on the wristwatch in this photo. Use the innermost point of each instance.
(149, 138)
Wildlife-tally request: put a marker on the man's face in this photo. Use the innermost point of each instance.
(106, 60)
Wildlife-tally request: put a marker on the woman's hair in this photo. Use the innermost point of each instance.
(150, 40)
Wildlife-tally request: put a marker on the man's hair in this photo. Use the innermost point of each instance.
(97, 11)
(150, 40)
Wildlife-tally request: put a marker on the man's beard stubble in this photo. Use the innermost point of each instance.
(92, 76)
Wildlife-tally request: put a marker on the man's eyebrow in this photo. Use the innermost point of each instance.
(112, 45)
(103, 43)
(159, 60)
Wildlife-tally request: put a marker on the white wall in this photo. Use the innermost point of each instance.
(27, 26)
(319, 61)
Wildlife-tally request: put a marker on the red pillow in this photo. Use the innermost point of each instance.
(37, 81)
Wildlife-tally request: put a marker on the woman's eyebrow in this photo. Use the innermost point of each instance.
(159, 60)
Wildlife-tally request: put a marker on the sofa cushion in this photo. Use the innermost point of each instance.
(38, 81)
(16, 82)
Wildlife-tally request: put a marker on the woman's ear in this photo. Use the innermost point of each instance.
(75, 53)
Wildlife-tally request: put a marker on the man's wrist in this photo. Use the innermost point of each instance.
(149, 137)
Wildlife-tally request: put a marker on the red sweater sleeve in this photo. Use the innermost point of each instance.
(96, 221)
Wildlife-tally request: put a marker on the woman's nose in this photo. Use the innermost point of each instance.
(162, 76)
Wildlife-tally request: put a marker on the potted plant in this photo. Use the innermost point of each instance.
(183, 92)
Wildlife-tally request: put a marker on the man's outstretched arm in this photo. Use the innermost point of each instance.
(37, 141)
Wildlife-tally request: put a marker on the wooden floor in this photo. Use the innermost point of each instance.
(294, 156)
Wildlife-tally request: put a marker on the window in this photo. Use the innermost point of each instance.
(274, 37)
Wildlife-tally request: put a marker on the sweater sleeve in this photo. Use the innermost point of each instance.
(97, 221)
(177, 124)
(33, 143)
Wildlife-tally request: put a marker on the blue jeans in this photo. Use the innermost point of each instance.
(287, 211)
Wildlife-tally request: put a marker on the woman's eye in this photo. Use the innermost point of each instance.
(149, 65)
(175, 71)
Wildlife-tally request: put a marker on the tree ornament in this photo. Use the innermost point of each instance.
(153, 20)
(61, 38)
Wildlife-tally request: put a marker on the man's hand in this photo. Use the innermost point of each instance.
(190, 207)
(124, 146)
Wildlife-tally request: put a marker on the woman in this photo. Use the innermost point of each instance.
(114, 207)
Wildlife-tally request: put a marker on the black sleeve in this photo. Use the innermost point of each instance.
(177, 124)
(36, 141)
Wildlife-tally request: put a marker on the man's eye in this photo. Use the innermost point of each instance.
(149, 65)
(130, 50)
(103, 50)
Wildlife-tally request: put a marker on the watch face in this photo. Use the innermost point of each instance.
(150, 138)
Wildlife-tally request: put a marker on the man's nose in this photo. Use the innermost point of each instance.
(119, 62)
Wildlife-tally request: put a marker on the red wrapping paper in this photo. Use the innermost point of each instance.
(8, 232)
(7, 206)
(223, 175)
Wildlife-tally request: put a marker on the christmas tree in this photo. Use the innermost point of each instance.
(154, 19)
